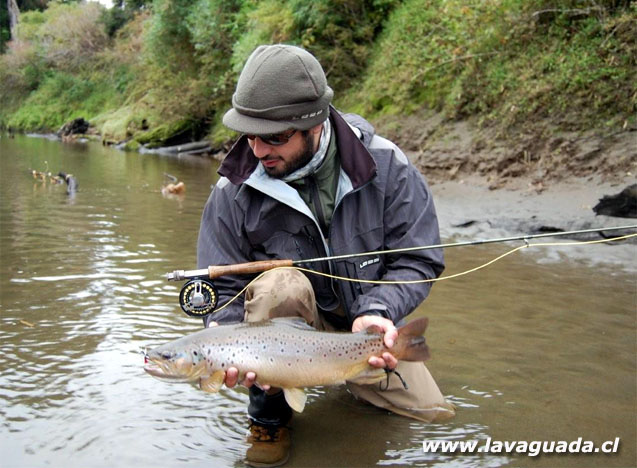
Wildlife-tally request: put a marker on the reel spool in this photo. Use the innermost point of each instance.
(198, 297)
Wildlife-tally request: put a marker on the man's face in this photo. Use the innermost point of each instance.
(281, 160)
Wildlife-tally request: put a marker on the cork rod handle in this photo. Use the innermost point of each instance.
(215, 271)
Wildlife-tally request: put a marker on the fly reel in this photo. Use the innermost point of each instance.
(198, 297)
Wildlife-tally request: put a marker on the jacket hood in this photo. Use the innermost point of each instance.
(352, 142)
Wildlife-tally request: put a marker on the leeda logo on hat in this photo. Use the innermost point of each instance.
(308, 116)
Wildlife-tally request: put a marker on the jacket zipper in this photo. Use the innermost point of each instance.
(339, 294)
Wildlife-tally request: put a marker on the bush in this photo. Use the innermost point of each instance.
(497, 60)
(72, 35)
(269, 22)
(120, 14)
(340, 33)
(60, 98)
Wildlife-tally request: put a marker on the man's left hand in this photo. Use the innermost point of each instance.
(387, 361)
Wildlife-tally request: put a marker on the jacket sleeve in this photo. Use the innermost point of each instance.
(409, 220)
(221, 242)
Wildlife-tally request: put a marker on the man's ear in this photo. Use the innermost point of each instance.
(317, 129)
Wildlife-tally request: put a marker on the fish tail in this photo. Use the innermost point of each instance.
(411, 345)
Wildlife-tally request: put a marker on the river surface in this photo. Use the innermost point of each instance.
(536, 347)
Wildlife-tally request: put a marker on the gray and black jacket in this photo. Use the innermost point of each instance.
(382, 203)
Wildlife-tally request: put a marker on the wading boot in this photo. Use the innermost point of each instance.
(269, 445)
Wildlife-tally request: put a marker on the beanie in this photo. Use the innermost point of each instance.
(281, 87)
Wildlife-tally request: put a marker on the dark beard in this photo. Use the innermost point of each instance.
(304, 157)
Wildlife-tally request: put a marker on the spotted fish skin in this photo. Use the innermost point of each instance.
(285, 353)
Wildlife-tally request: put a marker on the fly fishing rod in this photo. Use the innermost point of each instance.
(198, 296)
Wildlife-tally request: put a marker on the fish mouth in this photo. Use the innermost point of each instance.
(159, 372)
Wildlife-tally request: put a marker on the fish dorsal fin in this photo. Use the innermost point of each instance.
(296, 322)
(296, 398)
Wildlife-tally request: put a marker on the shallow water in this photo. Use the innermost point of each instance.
(534, 347)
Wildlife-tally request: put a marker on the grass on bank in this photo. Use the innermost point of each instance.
(502, 62)
(171, 70)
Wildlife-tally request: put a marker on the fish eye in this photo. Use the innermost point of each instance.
(166, 355)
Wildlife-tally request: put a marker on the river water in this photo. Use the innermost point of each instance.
(533, 348)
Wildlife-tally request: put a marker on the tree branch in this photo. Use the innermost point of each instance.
(453, 60)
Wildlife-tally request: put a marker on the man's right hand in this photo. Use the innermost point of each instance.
(232, 377)
(232, 374)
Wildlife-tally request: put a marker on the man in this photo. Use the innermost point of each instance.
(304, 182)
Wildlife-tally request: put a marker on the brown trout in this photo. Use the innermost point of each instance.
(283, 352)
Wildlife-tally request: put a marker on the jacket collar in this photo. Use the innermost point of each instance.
(356, 160)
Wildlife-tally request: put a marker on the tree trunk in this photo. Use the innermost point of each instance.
(14, 15)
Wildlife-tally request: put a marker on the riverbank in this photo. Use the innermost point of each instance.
(545, 180)
(151, 76)
(469, 210)
(530, 158)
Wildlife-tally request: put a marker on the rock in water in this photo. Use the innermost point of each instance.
(621, 205)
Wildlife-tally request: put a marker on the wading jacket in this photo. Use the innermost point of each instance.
(382, 203)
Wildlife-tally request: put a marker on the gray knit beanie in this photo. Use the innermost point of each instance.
(280, 87)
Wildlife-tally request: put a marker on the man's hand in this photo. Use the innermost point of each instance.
(232, 374)
(362, 322)
(232, 377)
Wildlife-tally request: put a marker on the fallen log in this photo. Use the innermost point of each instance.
(185, 148)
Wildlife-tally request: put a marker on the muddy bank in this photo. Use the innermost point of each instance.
(535, 157)
(469, 210)
(546, 178)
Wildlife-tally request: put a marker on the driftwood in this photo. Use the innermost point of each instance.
(74, 127)
(205, 150)
(424, 71)
(196, 147)
(549, 15)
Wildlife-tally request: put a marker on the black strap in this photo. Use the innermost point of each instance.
(392, 371)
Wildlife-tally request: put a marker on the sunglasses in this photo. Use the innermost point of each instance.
(275, 139)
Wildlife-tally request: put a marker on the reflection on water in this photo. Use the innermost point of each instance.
(528, 349)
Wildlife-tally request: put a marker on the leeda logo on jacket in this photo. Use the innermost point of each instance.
(369, 262)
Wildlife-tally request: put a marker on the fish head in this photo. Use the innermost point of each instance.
(174, 363)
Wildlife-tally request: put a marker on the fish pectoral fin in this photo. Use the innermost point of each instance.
(212, 383)
(296, 398)
(371, 375)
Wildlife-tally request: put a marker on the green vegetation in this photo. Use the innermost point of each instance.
(507, 62)
(163, 71)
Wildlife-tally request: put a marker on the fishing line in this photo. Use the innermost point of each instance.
(456, 275)
(442, 278)
(215, 271)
